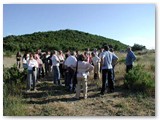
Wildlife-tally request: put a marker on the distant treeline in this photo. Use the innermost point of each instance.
(58, 40)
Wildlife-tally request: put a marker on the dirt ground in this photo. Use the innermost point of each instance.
(9, 61)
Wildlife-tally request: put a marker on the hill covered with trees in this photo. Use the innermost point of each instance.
(56, 40)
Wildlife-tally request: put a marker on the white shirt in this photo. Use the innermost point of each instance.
(32, 63)
(55, 60)
(101, 55)
(71, 61)
(61, 58)
(108, 57)
(95, 60)
(82, 68)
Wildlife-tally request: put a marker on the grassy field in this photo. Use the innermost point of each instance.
(51, 100)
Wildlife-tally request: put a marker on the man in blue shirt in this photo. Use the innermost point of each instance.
(130, 58)
(106, 62)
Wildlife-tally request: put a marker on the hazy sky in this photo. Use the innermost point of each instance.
(128, 23)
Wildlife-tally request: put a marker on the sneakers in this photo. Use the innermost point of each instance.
(28, 90)
(75, 97)
(85, 97)
(35, 90)
(110, 91)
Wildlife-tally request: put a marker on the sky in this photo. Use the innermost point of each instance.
(127, 23)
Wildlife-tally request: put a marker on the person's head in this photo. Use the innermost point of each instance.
(60, 52)
(39, 50)
(54, 52)
(102, 49)
(44, 54)
(18, 53)
(85, 53)
(93, 54)
(81, 57)
(95, 50)
(129, 49)
(31, 56)
(111, 49)
(73, 53)
(106, 47)
(77, 52)
(27, 55)
(35, 56)
(48, 52)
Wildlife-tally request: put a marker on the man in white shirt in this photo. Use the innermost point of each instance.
(55, 66)
(106, 62)
(69, 63)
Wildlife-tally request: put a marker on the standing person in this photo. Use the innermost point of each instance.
(114, 62)
(77, 54)
(83, 68)
(88, 51)
(106, 62)
(100, 56)
(18, 59)
(96, 62)
(55, 67)
(95, 51)
(39, 69)
(70, 61)
(67, 54)
(87, 57)
(49, 62)
(61, 58)
(32, 65)
(130, 58)
(40, 54)
(25, 58)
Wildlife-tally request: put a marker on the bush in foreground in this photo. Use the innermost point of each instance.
(139, 80)
(13, 84)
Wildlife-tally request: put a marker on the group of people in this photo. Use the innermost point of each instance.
(74, 68)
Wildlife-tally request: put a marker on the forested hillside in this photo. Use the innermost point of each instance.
(62, 39)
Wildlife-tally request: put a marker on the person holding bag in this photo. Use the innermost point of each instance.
(83, 68)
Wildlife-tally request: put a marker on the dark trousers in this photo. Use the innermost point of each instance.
(69, 79)
(61, 70)
(113, 73)
(40, 72)
(46, 68)
(107, 74)
(128, 67)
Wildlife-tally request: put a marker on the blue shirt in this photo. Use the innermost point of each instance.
(108, 57)
(130, 58)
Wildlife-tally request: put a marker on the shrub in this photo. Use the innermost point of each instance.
(139, 80)
(138, 47)
(13, 84)
(14, 80)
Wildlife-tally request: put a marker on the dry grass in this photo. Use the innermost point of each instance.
(51, 100)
